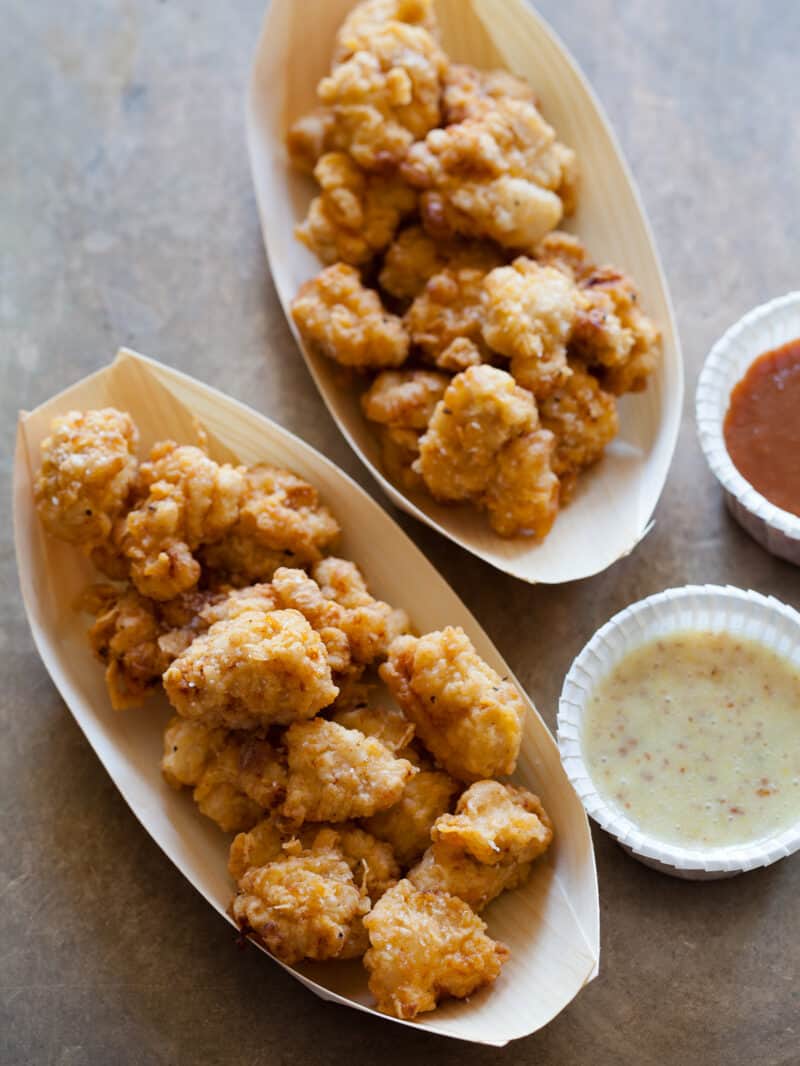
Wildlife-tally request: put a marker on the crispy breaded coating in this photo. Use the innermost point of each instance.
(522, 496)
(530, 312)
(583, 418)
(468, 92)
(425, 946)
(252, 670)
(186, 500)
(235, 776)
(356, 214)
(414, 257)
(310, 137)
(125, 636)
(385, 95)
(404, 398)
(337, 597)
(498, 175)
(496, 824)
(374, 866)
(407, 825)
(613, 334)
(303, 905)
(336, 774)
(481, 411)
(364, 19)
(189, 749)
(566, 253)
(466, 715)
(281, 522)
(443, 869)
(261, 845)
(87, 474)
(448, 312)
(387, 724)
(399, 453)
(344, 321)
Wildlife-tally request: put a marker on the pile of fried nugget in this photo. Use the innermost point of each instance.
(497, 345)
(365, 827)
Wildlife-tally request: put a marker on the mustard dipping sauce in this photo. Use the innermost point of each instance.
(695, 738)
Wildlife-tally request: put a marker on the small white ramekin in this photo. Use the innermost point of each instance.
(709, 608)
(765, 327)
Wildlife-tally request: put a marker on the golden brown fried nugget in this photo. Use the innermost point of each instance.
(387, 724)
(385, 95)
(366, 18)
(336, 774)
(399, 453)
(468, 717)
(583, 418)
(425, 946)
(281, 522)
(303, 905)
(530, 313)
(186, 500)
(372, 862)
(496, 824)
(87, 474)
(189, 749)
(442, 869)
(407, 825)
(310, 137)
(337, 597)
(344, 321)
(522, 496)
(404, 398)
(468, 92)
(356, 214)
(414, 257)
(261, 845)
(481, 411)
(613, 334)
(444, 321)
(251, 670)
(498, 175)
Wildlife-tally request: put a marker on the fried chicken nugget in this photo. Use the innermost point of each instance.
(486, 847)
(281, 522)
(499, 175)
(407, 825)
(356, 214)
(414, 257)
(337, 597)
(481, 411)
(530, 313)
(310, 137)
(425, 946)
(189, 748)
(444, 321)
(613, 334)
(252, 670)
(362, 22)
(496, 824)
(466, 715)
(258, 846)
(469, 92)
(87, 474)
(404, 398)
(218, 794)
(303, 905)
(387, 724)
(336, 774)
(522, 496)
(344, 321)
(385, 95)
(583, 418)
(186, 500)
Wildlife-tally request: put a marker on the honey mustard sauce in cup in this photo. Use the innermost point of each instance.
(747, 404)
(679, 726)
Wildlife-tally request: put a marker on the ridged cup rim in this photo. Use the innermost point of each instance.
(707, 607)
(740, 346)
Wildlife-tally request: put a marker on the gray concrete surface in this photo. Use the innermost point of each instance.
(128, 217)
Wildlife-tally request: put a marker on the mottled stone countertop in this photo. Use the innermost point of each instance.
(128, 218)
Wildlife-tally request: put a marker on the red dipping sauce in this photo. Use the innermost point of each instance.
(762, 426)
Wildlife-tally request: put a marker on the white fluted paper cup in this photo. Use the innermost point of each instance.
(768, 326)
(708, 608)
